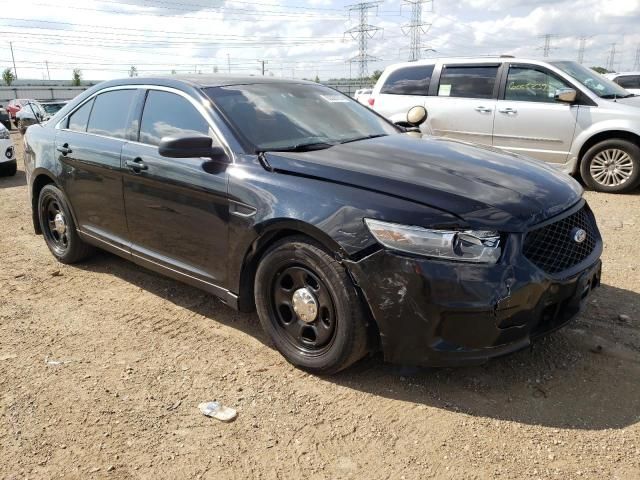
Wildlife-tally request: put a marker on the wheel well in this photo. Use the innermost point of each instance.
(38, 184)
(252, 258)
(609, 135)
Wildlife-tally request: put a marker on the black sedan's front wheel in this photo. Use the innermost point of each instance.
(309, 307)
(58, 227)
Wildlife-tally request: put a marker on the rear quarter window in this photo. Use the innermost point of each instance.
(78, 119)
(408, 81)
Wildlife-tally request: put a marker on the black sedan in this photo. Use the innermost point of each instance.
(345, 233)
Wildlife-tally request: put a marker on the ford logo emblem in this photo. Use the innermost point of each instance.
(579, 235)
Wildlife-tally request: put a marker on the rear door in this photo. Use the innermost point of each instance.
(529, 120)
(89, 147)
(463, 106)
(177, 209)
(404, 88)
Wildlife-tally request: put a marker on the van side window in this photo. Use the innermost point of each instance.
(408, 81)
(78, 119)
(468, 81)
(168, 114)
(526, 84)
(110, 113)
(628, 81)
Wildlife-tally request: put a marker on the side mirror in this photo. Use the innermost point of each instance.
(190, 147)
(566, 95)
(417, 115)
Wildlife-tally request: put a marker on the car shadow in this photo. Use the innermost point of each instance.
(17, 180)
(582, 377)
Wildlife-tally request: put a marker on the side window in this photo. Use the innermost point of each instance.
(111, 112)
(469, 81)
(408, 81)
(78, 119)
(530, 85)
(629, 81)
(169, 114)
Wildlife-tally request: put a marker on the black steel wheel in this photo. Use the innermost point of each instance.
(58, 227)
(309, 307)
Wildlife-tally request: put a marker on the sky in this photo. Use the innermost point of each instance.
(299, 39)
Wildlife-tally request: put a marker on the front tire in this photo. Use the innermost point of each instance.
(611, 166)
(309, 307)
(58, 227)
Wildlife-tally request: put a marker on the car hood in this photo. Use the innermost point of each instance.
(633, 101)
(483, 186)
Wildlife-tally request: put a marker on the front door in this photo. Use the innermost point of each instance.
(528, 118)
(464, 107)
(177, 208)
(89, 148)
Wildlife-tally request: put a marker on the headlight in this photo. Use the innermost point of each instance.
(4, 134)
(467, 246)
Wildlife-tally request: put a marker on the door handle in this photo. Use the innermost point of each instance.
(64, 149)
(137, 165)
(508, 111)
(482, 109)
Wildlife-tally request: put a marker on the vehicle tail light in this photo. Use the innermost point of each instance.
(371, 101)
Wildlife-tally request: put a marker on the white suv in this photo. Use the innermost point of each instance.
(630, 81)
(7, 153)
(559, 112)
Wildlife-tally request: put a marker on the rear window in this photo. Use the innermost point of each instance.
(408, 81)
(111, 112)
(468, 81)
(628, 81)
(78, 119)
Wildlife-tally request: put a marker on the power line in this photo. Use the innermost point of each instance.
(363, 32)
(417, 27)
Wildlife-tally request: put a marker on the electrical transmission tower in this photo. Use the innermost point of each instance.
(612, 57)
(636, 63)
(546, 49)
(363, 32)
(583, 43)
(417, 27)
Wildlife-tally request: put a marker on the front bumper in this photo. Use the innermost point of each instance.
(438, 313)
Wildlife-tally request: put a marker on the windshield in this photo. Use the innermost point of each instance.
(601, 86)
(288, 116)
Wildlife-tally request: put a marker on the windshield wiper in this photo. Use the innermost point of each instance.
(300, 147)
(357, 139)
(614, 96)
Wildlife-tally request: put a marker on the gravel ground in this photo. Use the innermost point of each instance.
(103, 365)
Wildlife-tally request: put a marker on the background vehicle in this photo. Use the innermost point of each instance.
(558, 112)
(30, 113)
(14, 106)
(8, 164)
(363, 95)
(5, 119)
(52, 107)
(343, 232)
(630, 81)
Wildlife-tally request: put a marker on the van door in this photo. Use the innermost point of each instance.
(529, 120)
(464, 105)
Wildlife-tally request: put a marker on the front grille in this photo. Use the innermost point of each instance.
(553, 248)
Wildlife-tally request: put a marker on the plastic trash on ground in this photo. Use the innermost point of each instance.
(218, 411)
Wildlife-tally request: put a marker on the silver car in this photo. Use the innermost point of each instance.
(559, 112)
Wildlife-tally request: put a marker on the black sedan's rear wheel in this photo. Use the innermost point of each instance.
(309, 307)
(58, 227)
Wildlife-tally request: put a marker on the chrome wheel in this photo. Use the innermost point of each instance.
(304, 309)
(611, 167)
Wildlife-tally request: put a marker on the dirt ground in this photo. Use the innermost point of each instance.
(139, 352)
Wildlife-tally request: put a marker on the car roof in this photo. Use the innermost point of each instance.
(467, 60)
(203, 81)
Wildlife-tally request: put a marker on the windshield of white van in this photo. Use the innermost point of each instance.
(601, 86)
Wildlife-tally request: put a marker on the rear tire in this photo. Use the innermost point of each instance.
(58, 227)
(611, 166)
(294, 274)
